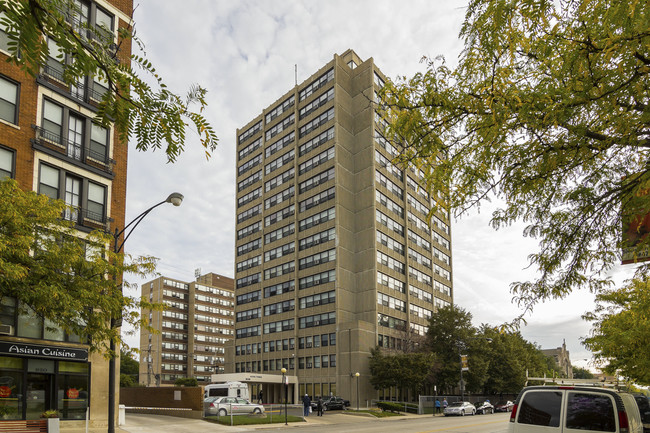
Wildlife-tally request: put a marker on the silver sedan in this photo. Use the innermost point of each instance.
(224, 406)
(461, 408)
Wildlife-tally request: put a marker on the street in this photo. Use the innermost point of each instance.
(332, 421)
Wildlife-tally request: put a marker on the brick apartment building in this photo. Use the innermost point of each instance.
(50, 144)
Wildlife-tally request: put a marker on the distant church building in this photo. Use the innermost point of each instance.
(561, 357)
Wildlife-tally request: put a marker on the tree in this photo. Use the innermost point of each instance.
(128, 365)
(407, 370)
(510, 357)
(450, 327)
(48, 271)
(582, 373)
(620, 335)
(547, 111)
(140, 107)
(129, 370)
(186, 381)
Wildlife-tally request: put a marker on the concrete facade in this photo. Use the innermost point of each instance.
(334, 252)
(27, 148)
(191, 333)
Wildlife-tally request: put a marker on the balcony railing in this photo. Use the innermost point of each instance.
(80, 91)
(76, 151)
(86, 218)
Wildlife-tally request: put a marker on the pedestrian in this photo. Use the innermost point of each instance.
(260, 397)
(444, 404)
(306, 402)
(319, 407)
(437, 406)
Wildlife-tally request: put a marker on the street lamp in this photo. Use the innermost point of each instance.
(286, 394)
(357, 376)
(176, 199)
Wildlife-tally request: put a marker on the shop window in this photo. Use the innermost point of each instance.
(11, 388)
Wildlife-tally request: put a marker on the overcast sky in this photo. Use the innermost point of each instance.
(244, 53)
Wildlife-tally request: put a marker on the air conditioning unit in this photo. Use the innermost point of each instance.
(6, 330)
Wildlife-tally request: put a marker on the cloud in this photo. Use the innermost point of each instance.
(245, 53)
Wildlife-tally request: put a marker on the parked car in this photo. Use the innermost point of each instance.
(644, 409)
(223, 406)
(557, 409)
(331, 403)
(460, 408)
(504, 406)
(484, 407)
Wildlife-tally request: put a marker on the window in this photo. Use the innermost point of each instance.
(280, 288)
(98, 142)
(288, 103)
(319, 218)
(317, 239)
(541, 408)
(317, 84)
(279, 233)
(280, 144)
(249, 246)
(79, 138)
(319, 179)
(317, 103)
(317, 199)
(250, 132)
(6, 163)
(317, 259)
(4, 39)
(590, 411)
(317, 141)
(8, 101)
(87, 198)
(317, 320)
(250, 148)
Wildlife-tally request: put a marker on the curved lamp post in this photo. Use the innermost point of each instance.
(286, 394)
(176, 199)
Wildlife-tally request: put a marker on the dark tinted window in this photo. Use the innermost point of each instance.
(590, 412)
(644, 407)
(540, 408)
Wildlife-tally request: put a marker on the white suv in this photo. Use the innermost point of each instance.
(565, 409)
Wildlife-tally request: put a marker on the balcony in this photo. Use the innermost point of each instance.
(51, 142)
(86, 218)
(87, 92)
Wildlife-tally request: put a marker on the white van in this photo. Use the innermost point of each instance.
(574, 409)
(228, 389)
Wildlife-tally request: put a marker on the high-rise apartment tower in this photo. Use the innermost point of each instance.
(192, 331)
(334, 251)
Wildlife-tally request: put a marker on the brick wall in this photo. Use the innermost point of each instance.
(163, 397)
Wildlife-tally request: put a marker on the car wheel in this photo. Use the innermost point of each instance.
(473, 412)
(223, 412)
(257, 411)
(462, 413)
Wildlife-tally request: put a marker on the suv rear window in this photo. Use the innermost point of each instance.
(541, 408)
(594, 412)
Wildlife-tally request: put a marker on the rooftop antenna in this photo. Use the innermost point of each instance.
(197, 273)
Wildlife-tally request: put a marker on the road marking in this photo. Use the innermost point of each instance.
(461, 426)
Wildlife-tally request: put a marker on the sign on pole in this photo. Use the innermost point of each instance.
(463, 363)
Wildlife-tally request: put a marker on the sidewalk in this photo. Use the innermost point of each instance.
(143, 423)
